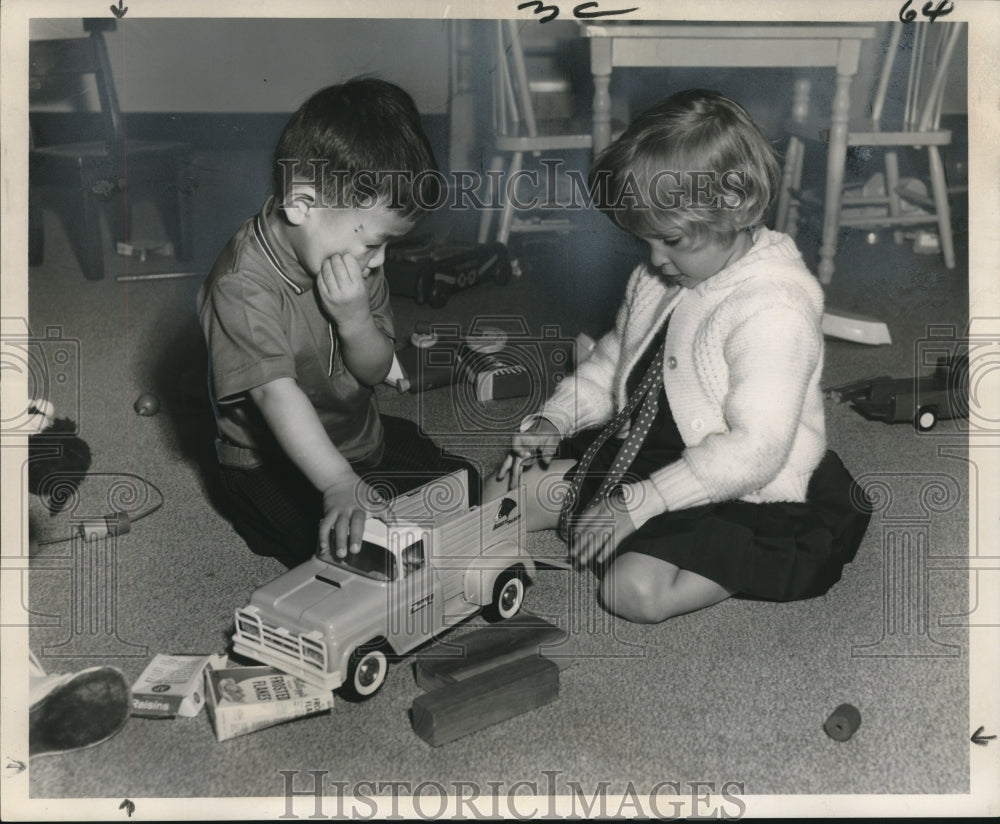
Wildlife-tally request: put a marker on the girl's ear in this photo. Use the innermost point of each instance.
(298, 203)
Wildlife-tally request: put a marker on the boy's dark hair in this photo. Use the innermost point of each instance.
(695, 161)
(361, 142)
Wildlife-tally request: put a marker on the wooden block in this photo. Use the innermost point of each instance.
(496, 695)
(456, 659)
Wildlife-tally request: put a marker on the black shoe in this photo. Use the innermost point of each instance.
(87, 708)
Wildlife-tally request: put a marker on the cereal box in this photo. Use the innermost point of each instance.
(171, 685)
(247, 699)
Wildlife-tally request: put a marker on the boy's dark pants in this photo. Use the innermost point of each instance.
(277, 510)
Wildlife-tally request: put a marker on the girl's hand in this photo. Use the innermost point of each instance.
(343, 290)
(599, 530)
(346, 504)
(540, 441)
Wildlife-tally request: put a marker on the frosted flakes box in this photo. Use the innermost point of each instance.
(246, 699)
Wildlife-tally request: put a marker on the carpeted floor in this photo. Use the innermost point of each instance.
(727, 702)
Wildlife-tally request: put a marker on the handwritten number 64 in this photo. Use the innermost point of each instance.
(932, 13)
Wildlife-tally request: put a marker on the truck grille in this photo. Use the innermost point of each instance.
(307, 651)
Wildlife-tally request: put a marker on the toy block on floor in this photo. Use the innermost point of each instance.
(456, 710)
(454, 660)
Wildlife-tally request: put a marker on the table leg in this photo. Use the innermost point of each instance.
(836, 158)
(600, 68)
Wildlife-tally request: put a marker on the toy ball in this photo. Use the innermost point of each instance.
(147, 404)
(843, 722)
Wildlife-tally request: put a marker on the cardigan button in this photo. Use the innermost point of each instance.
(671, 362)
(697, 424)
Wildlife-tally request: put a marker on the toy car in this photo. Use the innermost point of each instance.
(437, 562)
(429, 272)
(924, 400)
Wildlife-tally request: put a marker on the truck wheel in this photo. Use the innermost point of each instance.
(926, 419)
(366, 672)
(508, 595)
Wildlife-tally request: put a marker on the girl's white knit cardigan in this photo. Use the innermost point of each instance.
(741, 372)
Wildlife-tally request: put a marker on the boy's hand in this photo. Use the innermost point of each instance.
(599, 530)
(540, 441)
(343, 291)
(347, 503)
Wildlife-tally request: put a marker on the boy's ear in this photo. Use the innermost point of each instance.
(299, 202)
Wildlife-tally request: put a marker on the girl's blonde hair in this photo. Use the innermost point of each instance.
(695, 162)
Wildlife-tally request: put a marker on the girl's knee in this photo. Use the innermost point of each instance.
(631, 590)
(647, 590)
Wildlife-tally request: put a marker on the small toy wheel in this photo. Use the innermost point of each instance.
(508, 595)
(926, 419)
(439, 294)
(366, 673)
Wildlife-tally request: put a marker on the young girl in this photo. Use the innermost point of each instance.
(718, 480)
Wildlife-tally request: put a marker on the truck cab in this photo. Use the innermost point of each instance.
(432, 563)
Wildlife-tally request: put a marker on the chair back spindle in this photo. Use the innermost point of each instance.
(931, 51)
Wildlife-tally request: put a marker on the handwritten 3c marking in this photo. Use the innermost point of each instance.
(582, 11)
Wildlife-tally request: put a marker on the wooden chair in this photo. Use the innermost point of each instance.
(518, 132)
(94, 175)
(893, 203)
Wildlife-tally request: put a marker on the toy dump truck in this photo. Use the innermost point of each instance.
(433, 563)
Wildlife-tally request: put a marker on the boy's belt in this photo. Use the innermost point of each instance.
(239, 456)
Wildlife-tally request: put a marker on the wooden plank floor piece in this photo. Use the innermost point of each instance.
(456, 659)
(456, 710)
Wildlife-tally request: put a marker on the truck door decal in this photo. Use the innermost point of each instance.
(506, 514)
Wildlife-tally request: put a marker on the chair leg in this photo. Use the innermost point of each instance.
(492, 196)
(177, 211)
(939, 185)
(507, 218)
(786, 217)
(892, 190)
(120, 217)
(89, 235)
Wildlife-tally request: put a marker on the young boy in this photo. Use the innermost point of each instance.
(299, 329)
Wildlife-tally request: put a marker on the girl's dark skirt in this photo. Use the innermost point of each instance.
(781, 551)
